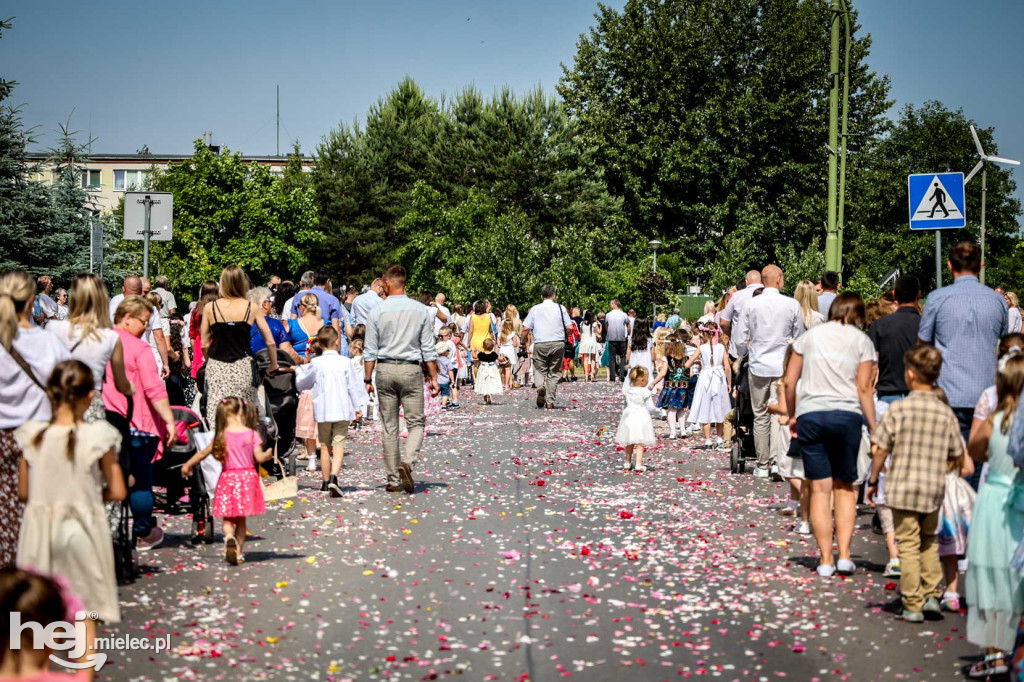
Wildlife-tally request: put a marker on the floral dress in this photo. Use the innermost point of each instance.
(673, 395)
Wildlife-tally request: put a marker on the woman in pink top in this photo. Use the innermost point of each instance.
(151, 422)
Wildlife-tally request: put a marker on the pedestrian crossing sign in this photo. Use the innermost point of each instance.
(937, 201)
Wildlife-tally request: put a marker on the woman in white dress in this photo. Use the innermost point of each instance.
(89, 337)
(711, 397)
(589, 348)
(508, 350)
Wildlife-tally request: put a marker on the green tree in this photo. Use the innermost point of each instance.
(926, 139)
(24, 202)
(62, 245)
(708, 118)
(229, 212)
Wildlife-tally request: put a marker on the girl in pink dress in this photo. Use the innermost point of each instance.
(238, 446)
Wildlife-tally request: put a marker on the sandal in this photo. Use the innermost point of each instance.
(627, 468)
(987, 667)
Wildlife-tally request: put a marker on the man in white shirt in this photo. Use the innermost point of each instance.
(169, 304)
(548, 322)
(733, 308)
(618, 328)
(444, 316)
(367, 301)
(766, 325)
(155, 336)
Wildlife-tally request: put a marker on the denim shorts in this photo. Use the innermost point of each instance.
(830, 443)
(446, 390)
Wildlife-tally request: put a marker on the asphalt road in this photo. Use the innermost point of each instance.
(525, 554)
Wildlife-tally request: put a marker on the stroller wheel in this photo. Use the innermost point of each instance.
(735, 460)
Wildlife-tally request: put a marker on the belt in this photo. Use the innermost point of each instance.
(397, 362)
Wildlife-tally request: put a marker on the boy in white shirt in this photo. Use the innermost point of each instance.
(339, 397)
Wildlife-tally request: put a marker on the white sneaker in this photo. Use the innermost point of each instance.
(672, 436)
(719, 442)
(826, 570)
(707, 442)
(802, 528)
(313, 464)
(760, 472)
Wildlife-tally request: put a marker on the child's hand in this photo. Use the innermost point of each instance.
(186, 471)
(870, 493)
(359, 416)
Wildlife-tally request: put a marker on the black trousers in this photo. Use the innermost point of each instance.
(616, 360)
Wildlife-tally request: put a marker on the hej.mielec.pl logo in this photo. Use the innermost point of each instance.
(71, 638)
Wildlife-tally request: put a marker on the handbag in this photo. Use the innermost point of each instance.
(287, 486)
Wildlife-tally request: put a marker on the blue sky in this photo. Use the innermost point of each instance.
(161, 74)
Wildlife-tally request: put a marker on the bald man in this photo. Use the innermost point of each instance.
(367, 301)
(767, 324)
(133, 286)
(733, 308)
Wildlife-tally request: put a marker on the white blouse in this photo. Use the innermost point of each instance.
(93, 351)
(21, 400)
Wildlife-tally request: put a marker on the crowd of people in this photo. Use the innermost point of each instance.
(911, 410)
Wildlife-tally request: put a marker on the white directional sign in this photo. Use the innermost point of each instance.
(160, 219)
(937, 201)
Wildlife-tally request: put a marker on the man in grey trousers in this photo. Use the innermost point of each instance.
(399, 336)
(549, 322)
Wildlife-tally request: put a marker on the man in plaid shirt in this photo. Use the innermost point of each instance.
(922, 434)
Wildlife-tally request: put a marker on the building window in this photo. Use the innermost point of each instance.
(91, 178)
(127, 180)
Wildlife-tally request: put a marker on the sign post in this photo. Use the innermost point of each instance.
(937, 203)
(143, 211)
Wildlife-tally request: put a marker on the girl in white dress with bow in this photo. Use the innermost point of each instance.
(711, 397)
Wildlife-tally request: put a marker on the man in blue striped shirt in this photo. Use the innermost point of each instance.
(965, 321)
(400, 336)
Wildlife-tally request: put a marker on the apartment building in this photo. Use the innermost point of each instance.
(109, 176)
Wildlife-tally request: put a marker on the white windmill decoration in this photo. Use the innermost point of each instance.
(984, 184)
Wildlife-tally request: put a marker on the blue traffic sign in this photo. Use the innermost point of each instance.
(937, 201)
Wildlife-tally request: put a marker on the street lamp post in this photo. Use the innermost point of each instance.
(654, 244)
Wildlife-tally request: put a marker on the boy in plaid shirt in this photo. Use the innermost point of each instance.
(922, 435)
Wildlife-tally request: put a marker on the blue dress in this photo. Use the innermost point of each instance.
(673, 394)
(995, 591)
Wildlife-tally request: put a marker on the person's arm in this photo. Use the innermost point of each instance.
(161, 346)
(796, 366)
(866, 391)
(356, 392)
(690, 361)
(23, 480)
(163, 408)
(978, 447)
(662, 372)
(186, 469)
(727, 365)
(111, 468)
(121, 382)
(204, 329)
(441, 315)
(346, 319)
(289, 350)
(967, 467)
(370, 344)
(429, 353)
(926, 328)
(268, 338)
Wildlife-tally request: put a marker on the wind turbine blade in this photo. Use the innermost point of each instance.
(997, 159)
(977, 142)
(974, 172)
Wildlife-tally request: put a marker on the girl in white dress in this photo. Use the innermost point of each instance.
(636, 430)
(711, 397)
(65, 530)
(488, 379)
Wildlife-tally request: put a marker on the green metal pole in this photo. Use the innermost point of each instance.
(984, 195)
(832, 235)
(840, 223)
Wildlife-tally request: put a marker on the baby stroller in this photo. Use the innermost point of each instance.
(119, 514)
(278, 411)
(741, 418)
(168, 472)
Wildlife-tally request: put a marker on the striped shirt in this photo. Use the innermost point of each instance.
(399, 329)
(965, 321)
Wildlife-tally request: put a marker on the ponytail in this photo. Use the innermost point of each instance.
(16, 291)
